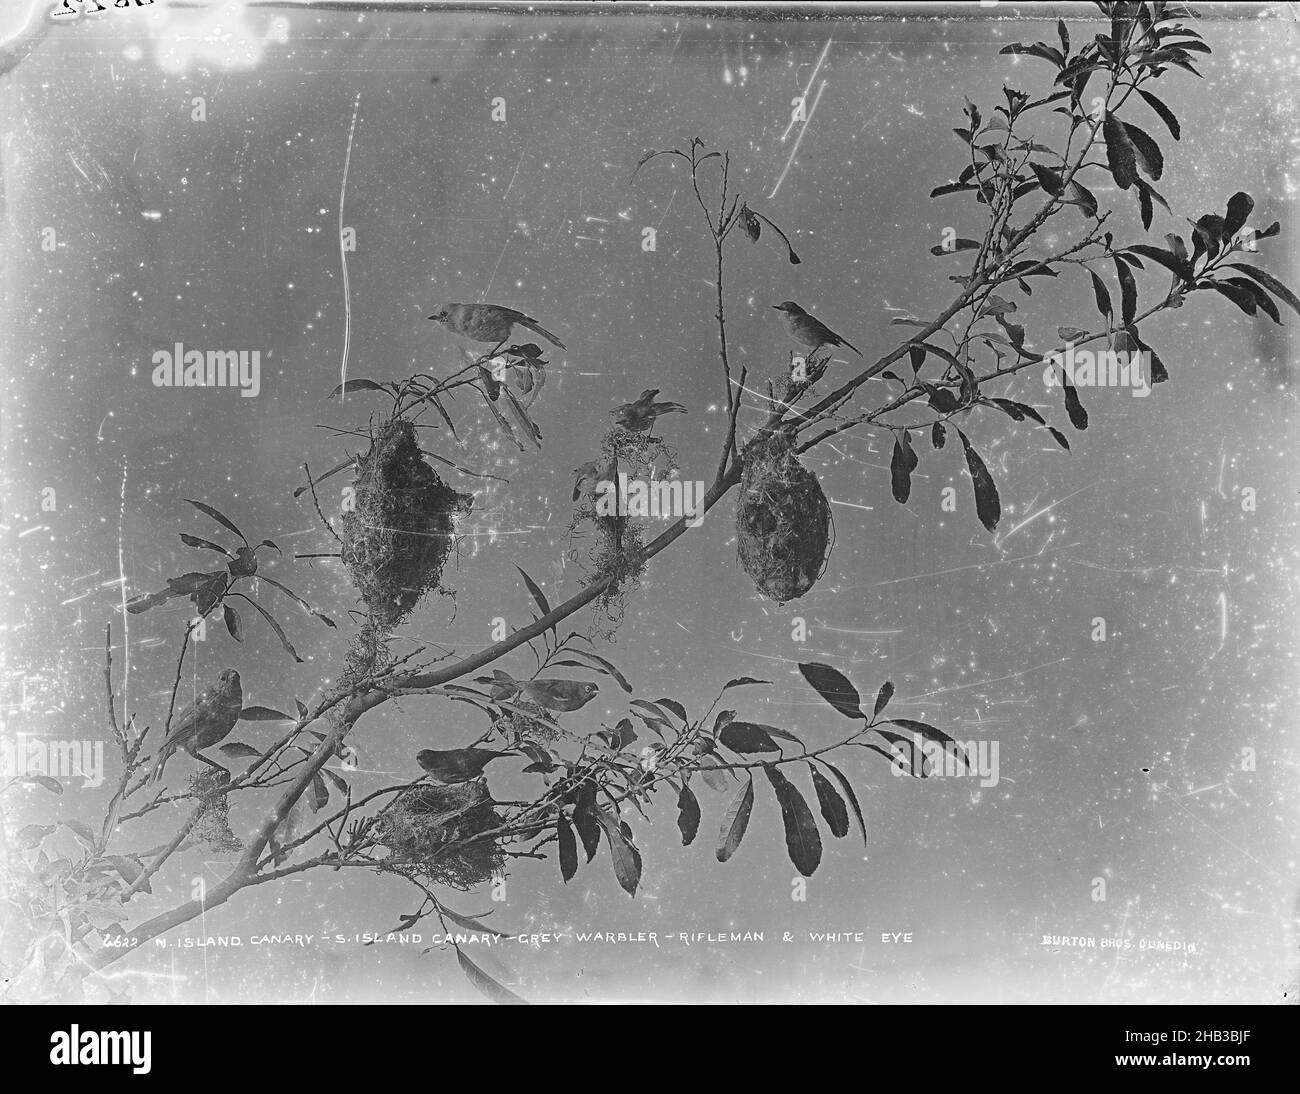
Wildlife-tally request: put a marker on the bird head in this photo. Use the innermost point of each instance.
(442, 314)
(789, 307)
(229, 679)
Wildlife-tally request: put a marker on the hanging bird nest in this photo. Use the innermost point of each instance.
(212, 829)
(429, 830)
(396, 540)
(783, 521)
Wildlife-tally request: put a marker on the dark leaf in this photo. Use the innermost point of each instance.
(803, 842)
(883, 696)
(584, 819)
(1080, 195)
(688, 815)
(195, 541)
(627, 864)
(746, 737)
(1243, 299)
(1048, 179)
(832, 806)
(1128, 291)
(605, 666)
(537, 592)
(900, 474)
(1102, 295)
(340, 783)
(1149, 157)
(1168, 259)
(735, 821)
(218, 516)
(498, 993)
(1120, 153)
(233, 625)
(937, 435)
(675, 707)
(847, 787)
(741, 681)
(238, 750)
(275, 626)
(299, 601)
(1271, 283)
(1058, 436)
(988, 507)
(263, 714)
(568, 845)
(47, 782)
(1166, 115)
(318, 794)
(356, 385)
(1074, 408)
(834, 687)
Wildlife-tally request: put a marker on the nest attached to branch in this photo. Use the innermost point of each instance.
(212, 829)
(396, 540)
(783, 521)
(428, 831)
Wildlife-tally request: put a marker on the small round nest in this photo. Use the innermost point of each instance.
(396, 540)
(212, 829)
(783, 521)
(429, 832)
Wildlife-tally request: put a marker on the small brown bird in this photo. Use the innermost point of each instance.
(456, 765)
(591, 474)
(490, 323)
(808, 331)
(640, 415)
(552, 694)
(205, 722)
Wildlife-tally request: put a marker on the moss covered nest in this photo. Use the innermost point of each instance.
(429, 832)
(396, 540)
(783, 521)
(212, 829)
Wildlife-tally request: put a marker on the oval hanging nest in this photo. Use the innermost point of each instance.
(783, 521)
(396, 540)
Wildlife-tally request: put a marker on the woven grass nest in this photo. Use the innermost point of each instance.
(783, 521)
(396, 540)
(425, 819)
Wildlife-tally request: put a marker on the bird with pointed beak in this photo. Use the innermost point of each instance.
(490, 323)
(809, 331)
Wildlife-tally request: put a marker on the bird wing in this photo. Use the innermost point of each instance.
(532, 324)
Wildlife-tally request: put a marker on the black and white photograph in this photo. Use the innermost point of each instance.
(598, 503)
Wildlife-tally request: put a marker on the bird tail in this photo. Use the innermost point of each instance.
(851, 346)
(536, 327)
(668, 408)
(157, 771)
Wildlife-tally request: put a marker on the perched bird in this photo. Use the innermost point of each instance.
(591, 474)
(551, 694)
(640, 415)
(456, 765)
(205, 722)
(488, 322)
(808, 331)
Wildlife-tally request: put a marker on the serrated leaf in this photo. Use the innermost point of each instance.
(988, 506)
(1166, 115)
(833, 686)
(675, 707)
(1120, 152)
(735, 821)
(238, 750)
(803, 842)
